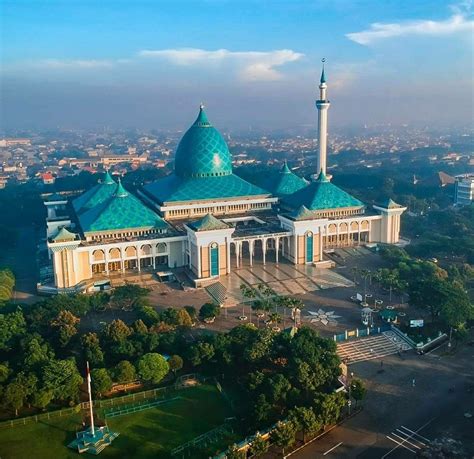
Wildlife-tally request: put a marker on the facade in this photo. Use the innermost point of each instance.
(207, 220)
(464, 189)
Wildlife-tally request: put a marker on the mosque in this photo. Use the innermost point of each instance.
(207, 220)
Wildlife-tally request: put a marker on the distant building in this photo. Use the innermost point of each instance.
(12, 142)
(48, 178)
(464, 189)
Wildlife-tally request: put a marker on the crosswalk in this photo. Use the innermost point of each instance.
(407, 439)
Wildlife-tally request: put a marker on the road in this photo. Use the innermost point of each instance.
(410, 402)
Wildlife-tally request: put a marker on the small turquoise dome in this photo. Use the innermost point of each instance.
(202, 152)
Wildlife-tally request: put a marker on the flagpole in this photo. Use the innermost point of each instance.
(90, 399)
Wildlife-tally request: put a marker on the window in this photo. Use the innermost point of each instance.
(214, 259)
(309, 247)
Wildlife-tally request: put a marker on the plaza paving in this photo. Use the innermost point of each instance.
(284, 278)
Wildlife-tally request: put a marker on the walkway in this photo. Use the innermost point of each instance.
(284, 278)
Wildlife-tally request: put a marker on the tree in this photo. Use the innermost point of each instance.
(233, 452)
(14, 396)
(357, 390)
(117, 331)
(63, 379)
(200, 353)
(329, 406)
(35, 352)
(12, 327)
(183, 319)
(42, 398)
(284, 434)
(28, 381)
(101, 381)
(4, 372)
(305, 419)
(258, 446)
(176, 363)
(7, 283)
(148, 315)
(125, 296)
(124, 372)
(152, 367)
(92, 350)
(209, 311)
(65, 325)
(262, 409)
(191, 310)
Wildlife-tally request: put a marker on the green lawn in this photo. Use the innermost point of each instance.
(152, 433)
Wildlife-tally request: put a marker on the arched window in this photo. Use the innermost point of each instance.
(161, 247)
(98, 255)
(114, 253)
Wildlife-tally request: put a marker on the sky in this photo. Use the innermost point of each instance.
(253, 63)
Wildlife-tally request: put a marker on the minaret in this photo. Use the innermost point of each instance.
(322, 104)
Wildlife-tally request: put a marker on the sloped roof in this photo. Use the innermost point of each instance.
(120, 211)
(208, 223)
(321, 194)
(176, 189)
(284, 182)
(63, 235)
(96, 195)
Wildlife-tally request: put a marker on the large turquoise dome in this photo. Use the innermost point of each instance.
(202, 152)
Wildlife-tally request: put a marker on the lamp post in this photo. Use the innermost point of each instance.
(450, 334)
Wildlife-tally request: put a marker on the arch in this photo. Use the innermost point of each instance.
(354, 226)
(332, 228)
(131, 251)
(114, 253)
(364, 225)
(343, 227)
(161, 247)
(98, 255)
(145, 250)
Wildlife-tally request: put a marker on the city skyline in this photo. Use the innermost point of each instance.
(253, 65)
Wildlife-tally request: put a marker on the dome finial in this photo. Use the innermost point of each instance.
(121, 191)
(323, 76)
(201, 106)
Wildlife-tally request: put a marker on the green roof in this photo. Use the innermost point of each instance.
(321, 194)
(96, 195)
(63, 235)
(120, 211)
(176, 189)
(208, 223)
(323, 76)
(202, 152)
(284, 182)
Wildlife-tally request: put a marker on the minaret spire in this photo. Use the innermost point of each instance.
(322, 104)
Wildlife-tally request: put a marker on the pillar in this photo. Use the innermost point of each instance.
(228, 256)
(237, 250)
(138, 257)
(264, 250)
(277, 247)
(251, 252)
(106, 257)
(295, 237)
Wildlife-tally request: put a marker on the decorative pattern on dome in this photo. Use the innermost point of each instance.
(208, 223)
(202, 152)
(284, 182)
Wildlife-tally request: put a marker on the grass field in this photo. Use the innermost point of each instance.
(151, 433)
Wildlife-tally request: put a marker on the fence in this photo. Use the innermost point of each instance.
(106, 403)
(128, 409)
(360, 332)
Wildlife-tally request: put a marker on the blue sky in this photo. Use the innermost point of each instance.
(149, 63)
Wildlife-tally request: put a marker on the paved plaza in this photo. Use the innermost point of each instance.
(284, 278)
(372, 347)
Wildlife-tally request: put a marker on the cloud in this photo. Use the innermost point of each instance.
(456, 23)
(73, 63)
(251, 65)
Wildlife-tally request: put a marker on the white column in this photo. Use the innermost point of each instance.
(198, 262)
(277, 247)
(320, 244)
(106, 255)
(337, 234)
(295, 237)
(251, 252)
(237, 250)
(122, 261)
(228, 256)
(264, 250)
(138, 258)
